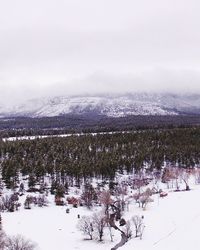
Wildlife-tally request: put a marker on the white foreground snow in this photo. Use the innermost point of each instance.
(171, 223)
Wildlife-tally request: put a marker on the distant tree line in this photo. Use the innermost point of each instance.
(20, 126)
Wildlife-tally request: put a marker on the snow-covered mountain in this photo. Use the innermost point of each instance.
(109, 105)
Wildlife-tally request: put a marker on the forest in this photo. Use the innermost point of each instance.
(79, 158)
(20, 126)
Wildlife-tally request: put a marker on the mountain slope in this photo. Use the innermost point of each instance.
(112, 106)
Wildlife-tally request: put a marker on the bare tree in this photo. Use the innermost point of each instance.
(169, 175)
(9, 203)
(145, 198)
(85, 225)
(29, 201)
(156, 180)
(185, 175)
(99, 223)
(175, 176)
(42, 201)
(120, 193)
(127, 230)
(136, 197)
(19, 243)
(111, 234)
(138, 225)
(105, 199)
(88, 195)
(2, 240)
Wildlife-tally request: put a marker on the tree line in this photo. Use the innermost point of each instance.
(21, 126)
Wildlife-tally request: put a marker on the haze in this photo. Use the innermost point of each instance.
(66, 47)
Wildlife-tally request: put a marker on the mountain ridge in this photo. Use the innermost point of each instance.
(119, 105)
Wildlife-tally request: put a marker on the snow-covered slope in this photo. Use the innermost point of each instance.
(113, 106)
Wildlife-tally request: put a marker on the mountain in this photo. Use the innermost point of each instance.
(108, 105)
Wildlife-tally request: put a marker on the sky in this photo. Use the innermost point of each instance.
(67, 47)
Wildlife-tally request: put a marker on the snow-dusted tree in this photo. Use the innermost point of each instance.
(121, 190)
(185, 175)
(43, 188)
(2, 240)
(120, 193)
(66, 185)
(31, 182)
(176, 175)
(88, 195)
(168, 176)
(42, 201)
(136, 197)
(156, 180)
(19, 243)
(110, 232)
(99, 223)
(85, 225)
(21, 188)
(15, 242)
(127, 229)
(60, 191)
(145, 199)
(9, 203)
(28, 201)
(105, 199)
(138, 225)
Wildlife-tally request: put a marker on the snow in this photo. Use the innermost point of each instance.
(170, 223)
(112, 106)
(51, 228)
(33, 137)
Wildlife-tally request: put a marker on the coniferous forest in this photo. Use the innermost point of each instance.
(76, 158)
(20, 126)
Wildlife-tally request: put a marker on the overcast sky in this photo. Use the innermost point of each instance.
(53, 47)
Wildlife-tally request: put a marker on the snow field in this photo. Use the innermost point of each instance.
(170, 223)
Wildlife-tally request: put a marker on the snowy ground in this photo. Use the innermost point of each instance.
(171, 223)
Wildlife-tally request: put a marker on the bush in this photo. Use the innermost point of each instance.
(9, 203)
(39, 201)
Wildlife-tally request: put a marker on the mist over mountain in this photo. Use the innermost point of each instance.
(111, 105)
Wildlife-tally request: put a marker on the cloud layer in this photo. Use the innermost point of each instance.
(74, 47)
